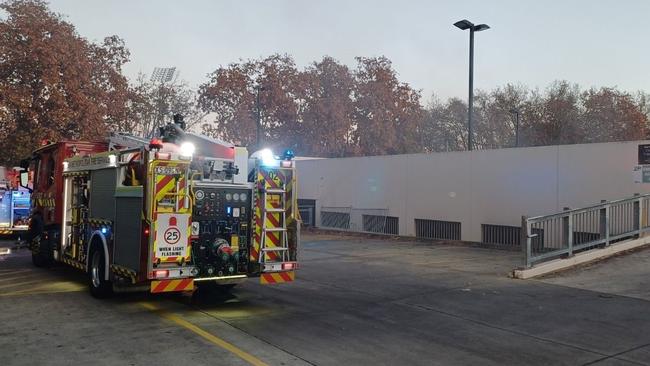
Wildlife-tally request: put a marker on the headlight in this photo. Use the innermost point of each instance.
(187, 149)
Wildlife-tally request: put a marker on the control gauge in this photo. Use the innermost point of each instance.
(228, 196)
(235, 196)
(243, 197)
(199, 195)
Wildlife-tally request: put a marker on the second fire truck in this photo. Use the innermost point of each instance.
(165, 214)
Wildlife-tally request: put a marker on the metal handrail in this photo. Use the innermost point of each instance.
(587, 208)
(563, 233)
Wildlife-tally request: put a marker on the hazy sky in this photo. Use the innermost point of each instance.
(593, 43)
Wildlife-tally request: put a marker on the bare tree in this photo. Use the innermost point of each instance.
(152, 104)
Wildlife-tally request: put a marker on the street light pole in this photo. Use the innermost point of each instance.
(515, 111)
(470, 105)
(258, 134)
(463, 25)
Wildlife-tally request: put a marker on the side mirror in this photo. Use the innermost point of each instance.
(24, 180)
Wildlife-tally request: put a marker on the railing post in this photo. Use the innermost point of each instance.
(604, 222)
(568, 230)
(637, 214)
(526, 241)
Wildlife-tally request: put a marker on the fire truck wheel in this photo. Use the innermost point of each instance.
(99, 287)
(37, 258)
(42, 252)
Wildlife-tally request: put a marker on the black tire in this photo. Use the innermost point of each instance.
(99, 287)
(38, 259)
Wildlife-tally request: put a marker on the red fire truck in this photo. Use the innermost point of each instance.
(165, 214)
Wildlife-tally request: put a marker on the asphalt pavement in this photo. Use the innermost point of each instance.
(356, 301)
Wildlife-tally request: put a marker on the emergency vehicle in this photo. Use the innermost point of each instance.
(14, 204)
(166, 214)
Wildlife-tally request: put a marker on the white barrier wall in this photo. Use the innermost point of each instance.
(474, 188)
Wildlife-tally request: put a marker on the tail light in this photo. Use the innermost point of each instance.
(161, 273)
(289, 266)
(286, 163)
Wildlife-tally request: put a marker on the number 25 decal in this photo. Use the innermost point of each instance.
(172, 235)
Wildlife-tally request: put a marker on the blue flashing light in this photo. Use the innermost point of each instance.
(289, 154)
(104, 230)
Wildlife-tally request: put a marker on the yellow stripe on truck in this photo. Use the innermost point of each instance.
(270, 278)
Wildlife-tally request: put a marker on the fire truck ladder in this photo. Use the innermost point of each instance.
(281, 230)
(126, 140)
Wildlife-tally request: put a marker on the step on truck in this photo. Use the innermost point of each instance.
(165, 215)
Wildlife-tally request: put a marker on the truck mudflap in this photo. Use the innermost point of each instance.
(278, 272)
(272, 278)
(172, 285)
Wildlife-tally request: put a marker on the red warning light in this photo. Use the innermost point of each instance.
(155, 143)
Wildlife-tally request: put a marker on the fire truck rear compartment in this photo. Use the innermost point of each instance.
(221, 230)
(126, 250)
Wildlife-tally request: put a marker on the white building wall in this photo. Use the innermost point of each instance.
(474, 188)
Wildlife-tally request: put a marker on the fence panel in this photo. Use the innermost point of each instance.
(565, 233)
(335, 217)
(437, 229)
(364, 220)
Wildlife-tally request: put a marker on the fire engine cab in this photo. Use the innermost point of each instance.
(168, 214)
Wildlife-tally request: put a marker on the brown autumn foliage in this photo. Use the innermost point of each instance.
(330, 110)
(388, 114)
(324, 110)
(55, 84)
(329, 88)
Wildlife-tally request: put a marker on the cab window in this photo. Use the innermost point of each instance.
(51, 167)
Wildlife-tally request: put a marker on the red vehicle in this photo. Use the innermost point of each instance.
(14, 204)
(163, 216)
(46, 165)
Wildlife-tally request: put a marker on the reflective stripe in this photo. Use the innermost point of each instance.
(269, 278)
(184, 284)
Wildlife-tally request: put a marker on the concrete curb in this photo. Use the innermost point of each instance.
(580, 258)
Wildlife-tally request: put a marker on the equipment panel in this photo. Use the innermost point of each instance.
(220, 229)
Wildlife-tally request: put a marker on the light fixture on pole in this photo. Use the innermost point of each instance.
(163, 74)
(463, 25)
(159, 77)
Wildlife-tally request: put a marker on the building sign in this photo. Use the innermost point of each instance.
(644, 154)
(171, 237)
(642, 174)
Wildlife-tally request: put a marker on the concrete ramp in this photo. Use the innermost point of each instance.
(579, 259)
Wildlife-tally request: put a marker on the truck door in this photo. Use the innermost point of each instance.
(170, 212)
